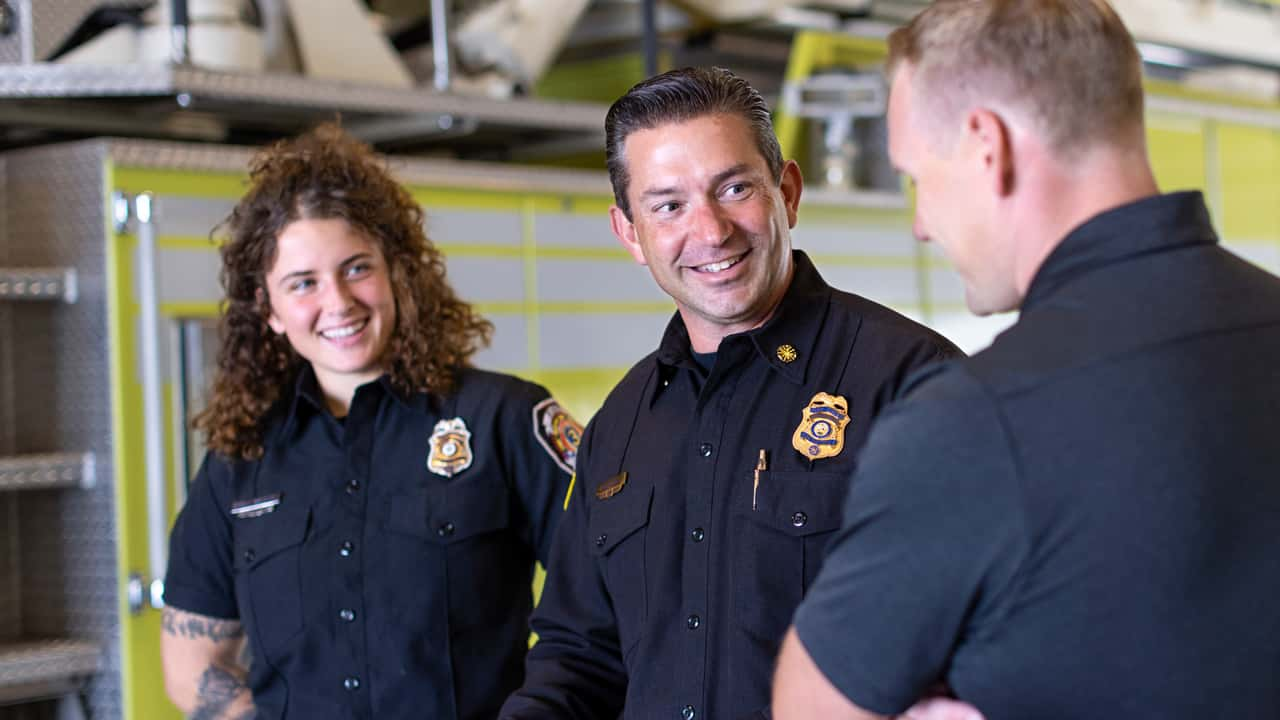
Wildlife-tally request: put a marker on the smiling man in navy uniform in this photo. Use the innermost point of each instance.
(712, 478)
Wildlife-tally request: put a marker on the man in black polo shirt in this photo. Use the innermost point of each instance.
(711, 480)
(1080, 521)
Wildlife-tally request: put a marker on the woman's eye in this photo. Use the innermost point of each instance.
(358, 269)
(301, 285)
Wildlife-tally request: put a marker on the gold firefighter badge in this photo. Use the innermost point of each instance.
(557, 432)
(450, 448)
(821, 430)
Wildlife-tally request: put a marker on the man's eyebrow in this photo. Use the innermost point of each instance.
(723, 175)
(718, 178)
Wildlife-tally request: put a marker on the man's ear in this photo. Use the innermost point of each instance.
(792, 187)
(989, 139)
(625, 231)
(272, 321)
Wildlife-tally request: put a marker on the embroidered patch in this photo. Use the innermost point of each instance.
(821, 430)
(450, 448)
(612, 486)
(557, 432)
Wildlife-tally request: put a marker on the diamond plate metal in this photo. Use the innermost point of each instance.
(61, 402)
(42, 472)
(248, 92)
(46, 661)
(38, 284)
(42, 26)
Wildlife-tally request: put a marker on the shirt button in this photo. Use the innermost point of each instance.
(347, 614)
(346, 549)
(705, 449)
(687, 712)
(353, 487)
(799, 519)
(697, 534)
(445, 530)
(351, 683)
(693, 622)
(601, 539)
(249, 555)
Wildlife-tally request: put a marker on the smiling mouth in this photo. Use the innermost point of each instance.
(721, 266)
(345, 331)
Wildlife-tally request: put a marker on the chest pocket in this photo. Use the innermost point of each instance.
(451, 513)
(268, 571)
(784, 540)
(616, 533)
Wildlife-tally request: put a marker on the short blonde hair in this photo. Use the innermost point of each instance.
(1070, 64)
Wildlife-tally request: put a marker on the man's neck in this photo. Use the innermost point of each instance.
(1070, 194)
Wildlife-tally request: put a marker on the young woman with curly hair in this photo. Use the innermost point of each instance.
(370, 509)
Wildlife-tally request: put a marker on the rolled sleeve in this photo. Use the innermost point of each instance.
(200, 578)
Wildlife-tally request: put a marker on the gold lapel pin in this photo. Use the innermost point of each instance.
(787, 353)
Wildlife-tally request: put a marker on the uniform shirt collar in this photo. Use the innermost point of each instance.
(307, 397)
(795, 323)
(1153, 224)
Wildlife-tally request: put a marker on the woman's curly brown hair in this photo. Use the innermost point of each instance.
(327, 174)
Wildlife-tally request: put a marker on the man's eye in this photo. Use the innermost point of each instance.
(667, 207)
(736, 189)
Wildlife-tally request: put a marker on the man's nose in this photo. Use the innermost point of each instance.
(917, 229)
(711, 223)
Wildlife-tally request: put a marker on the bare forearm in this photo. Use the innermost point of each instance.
(221, 694)
(203, 673)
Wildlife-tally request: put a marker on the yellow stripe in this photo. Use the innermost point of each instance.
(569, 493)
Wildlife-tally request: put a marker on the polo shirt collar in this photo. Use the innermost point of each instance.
(1153, 224)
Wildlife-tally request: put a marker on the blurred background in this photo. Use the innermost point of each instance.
(125, 129)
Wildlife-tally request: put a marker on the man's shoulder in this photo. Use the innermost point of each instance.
(624, 395)
(890, 327)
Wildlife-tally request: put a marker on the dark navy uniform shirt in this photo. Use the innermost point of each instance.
(377, 588)
(667, 590)
(1083, 520)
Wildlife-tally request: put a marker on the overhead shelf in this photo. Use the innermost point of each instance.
(52, 470)
(28, 284)
(182, 102)
(45, 668)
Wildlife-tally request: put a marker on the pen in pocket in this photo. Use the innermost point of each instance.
(761, 464)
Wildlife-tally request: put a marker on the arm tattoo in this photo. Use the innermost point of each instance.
(189, 625)
(218, 689)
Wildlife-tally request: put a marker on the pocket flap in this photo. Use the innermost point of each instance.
(616, 518)
(470, 510)
(450, 513)
(259, 538)
(800, 503)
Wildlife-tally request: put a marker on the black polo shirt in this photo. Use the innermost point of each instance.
(369, 585)
(1080, 521)
(669, 589)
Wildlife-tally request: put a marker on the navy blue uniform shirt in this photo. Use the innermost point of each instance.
(669, 589)
(1082, 520)
(376, 587)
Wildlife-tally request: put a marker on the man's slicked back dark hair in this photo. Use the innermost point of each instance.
(678, 96)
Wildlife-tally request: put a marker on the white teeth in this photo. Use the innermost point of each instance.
(719, 266)
(346, 331)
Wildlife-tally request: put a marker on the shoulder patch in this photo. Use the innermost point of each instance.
(557, 432)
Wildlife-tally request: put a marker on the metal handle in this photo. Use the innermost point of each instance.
(179, 37)
(440, 44)
(152, 395)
